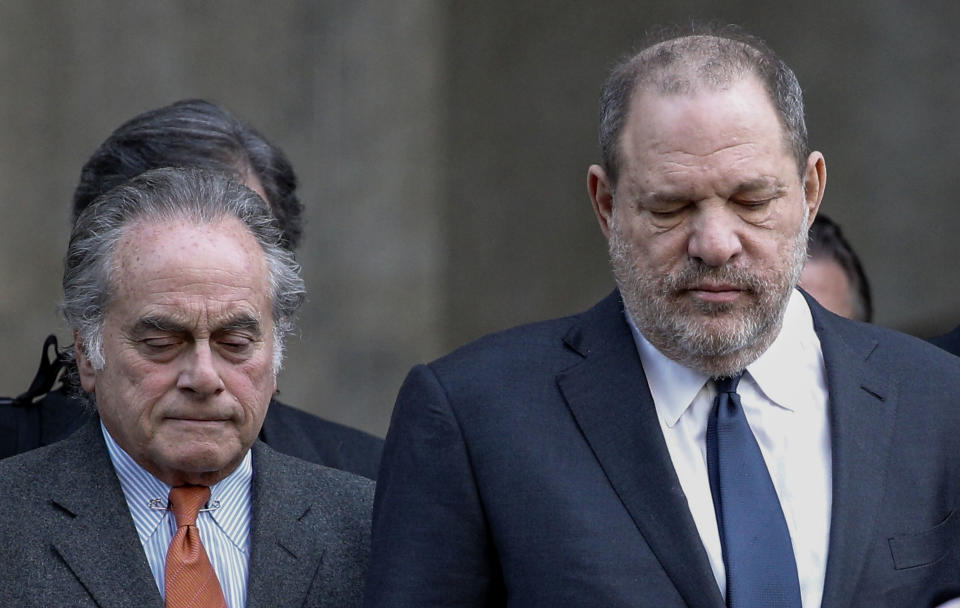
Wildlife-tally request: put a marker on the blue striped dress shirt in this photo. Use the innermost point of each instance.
(224, 530)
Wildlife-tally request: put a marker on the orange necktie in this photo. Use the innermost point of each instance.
(190, 579)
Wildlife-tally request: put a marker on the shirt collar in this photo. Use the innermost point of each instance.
(141, 490)
(795, 358)
(674, 386)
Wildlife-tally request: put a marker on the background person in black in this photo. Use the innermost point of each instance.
(949, 342)
(190, 133)
(833, 274)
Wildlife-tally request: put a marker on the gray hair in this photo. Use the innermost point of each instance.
(675, 60)
(167, 195)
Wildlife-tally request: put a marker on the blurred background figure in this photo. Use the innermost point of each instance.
(949, 342)
(833, 274)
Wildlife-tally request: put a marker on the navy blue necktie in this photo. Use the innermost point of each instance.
(757, 552)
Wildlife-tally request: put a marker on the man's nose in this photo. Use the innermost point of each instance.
(199, 374)
(714, 238)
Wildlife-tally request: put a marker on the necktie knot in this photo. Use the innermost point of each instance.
(728, 384)
(186, 502)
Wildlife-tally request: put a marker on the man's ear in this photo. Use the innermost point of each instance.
(601, 195)
(814, 183)
(88, 375)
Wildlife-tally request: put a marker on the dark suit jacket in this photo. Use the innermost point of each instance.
(529, 469)
(25, 426)
(69, 539)
(949, 342)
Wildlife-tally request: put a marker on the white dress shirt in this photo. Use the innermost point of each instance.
(224, 531)
(784, 396)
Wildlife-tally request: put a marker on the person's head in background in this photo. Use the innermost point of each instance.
(833, 274)
(197, 134)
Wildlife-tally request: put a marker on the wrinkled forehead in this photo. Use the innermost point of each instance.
(743, 88)
(190, 253)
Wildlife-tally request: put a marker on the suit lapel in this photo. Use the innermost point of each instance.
(862, 407)
(609, 398)
(98, 542)
(285, 553)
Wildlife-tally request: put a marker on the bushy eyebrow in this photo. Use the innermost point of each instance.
(667, 197)
(241, 322)
(761, 184)
(156, 323)
(682, 195)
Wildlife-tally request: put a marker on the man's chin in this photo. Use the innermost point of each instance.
(198, 466)
(701, 334)
(722, 343)
(198, 454)
(714, 344)
(691, 304)
(713, 320)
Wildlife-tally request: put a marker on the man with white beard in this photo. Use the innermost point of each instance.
(705, 436)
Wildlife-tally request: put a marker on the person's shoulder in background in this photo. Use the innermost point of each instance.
(949, 342)
(308, 437)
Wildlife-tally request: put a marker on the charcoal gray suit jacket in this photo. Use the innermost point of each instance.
(68, 538)
(529, 469)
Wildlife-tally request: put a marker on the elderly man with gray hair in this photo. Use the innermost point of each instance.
(199, 134)
(179, 294)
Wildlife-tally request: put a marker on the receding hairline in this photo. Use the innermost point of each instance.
(640, 90)
(133, 231)
(704, 56)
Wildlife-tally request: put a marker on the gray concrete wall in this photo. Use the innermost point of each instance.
(442, 148)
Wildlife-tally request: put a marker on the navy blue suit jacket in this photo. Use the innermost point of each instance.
(949, 342)
(529, 469)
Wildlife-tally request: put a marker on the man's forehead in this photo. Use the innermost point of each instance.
(225, 243)
(649, 103)
(172, 261)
